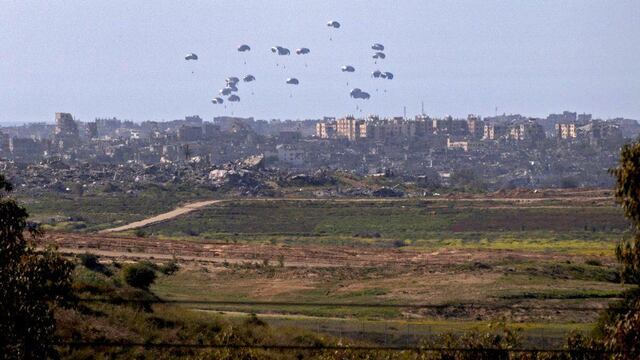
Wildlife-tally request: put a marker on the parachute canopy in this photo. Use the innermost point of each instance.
(359, 94)
(244, 47)
(225, 91)
(234, 98)
(249, 78)
(217, 100)
(232, 80)
(280, 50)
(334, 24)
(191, 56)
(302, 51)
(388, 75)
(379, 55)
(376, 74)
(377, 47)
(348, 68)
(293, 81)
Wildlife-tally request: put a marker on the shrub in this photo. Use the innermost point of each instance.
(139, 275)
(90, 261)
(593, 262)
(254, 320)
(169, 268)
(399, 243)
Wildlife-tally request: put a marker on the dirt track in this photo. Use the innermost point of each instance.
(163, 217)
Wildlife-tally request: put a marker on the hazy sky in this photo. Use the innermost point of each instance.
(126, 58)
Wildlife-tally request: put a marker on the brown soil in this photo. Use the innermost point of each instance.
(307, 256)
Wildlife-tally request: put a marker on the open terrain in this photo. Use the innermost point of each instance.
(378, 267)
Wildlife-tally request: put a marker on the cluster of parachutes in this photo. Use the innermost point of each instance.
(358, 93)
(230, 89)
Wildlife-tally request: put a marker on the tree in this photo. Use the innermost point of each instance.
(139, 275)
(622, 332)
(627, 194)
(32, 284)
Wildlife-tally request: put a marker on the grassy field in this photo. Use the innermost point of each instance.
(97, 211)
(335, 300)
(588, 230)
(574, 266)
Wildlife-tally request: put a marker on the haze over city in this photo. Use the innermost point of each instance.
(126, 58)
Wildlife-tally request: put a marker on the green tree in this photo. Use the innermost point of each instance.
(32, 284)
(139, 275)
(622, 328)
(627, 194)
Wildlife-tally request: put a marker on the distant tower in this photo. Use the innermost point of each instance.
(66, 133)
(92, 130)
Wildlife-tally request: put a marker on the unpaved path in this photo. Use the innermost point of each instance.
(185, 209)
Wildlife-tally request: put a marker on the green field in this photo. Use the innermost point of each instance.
(573, 265)
(589, 230)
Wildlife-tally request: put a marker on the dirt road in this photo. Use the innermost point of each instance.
(163, 217)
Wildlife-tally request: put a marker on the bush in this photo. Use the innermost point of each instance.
(169, 268)
(140, 276)
(593, 262)
(254, 320)
(90, 261)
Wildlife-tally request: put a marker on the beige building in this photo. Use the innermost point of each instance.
(350, 128)
(566, 131)
(453, 144)
(493, 131)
